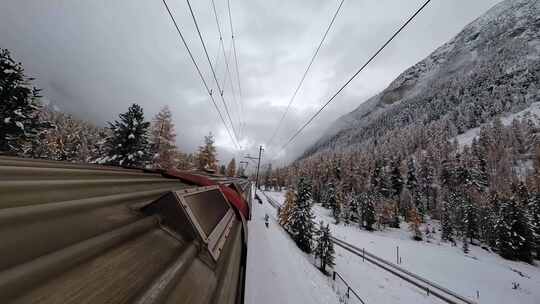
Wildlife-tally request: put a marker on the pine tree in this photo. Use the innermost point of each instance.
(471, 219)
(163, 140)
(324, 249)
(465, 246)
(267, 178)
(222, 170)
(354, 206)
(414, 224)
(412, 181)
(447, 226)
(128, 144)
(377, 183)
(301, 225)
(514, 235)
(20, 123)
(533, 214)
(231, 168)
(330, 200)
(206, 158)
(333, 201)
(396, 179)
(241, 171)
(368, 210)
(324, 197)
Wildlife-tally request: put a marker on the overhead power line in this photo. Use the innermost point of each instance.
(228, 75)
(212, 69)
(199, 72)
(235, 53)
(305, 74)
(354, 75)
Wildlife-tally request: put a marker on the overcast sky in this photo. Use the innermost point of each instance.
(94, 58)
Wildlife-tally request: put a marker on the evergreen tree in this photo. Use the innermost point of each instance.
(354, 206)
(222, 170)
(240, 171)
(324, 249)
(317, 191)
(413, 187)
(514, 235)
(301, 225)
(20, 123)
(231, 168)
(206, 157)
(163, 140)
(396, 179)
(470, 216)
(128, 144)
(412, 181)
(447, 226)
(267, 178)
(533, 214)
(334, 202)
(465, 246)
(379, 179)
(414, 224)
(330, 196)
(368, 211)
(324, 197)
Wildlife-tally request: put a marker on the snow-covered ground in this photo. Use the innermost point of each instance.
(478, 271)
(277, 271)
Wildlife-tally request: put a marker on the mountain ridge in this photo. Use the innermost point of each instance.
(499, 51)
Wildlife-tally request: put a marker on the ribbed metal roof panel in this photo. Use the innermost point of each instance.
(74, 233)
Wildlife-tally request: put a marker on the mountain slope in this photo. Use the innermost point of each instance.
(490, 68)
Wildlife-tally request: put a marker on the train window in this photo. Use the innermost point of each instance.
(210, 214)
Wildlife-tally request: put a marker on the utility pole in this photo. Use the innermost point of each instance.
(258, 165)
(261, 149)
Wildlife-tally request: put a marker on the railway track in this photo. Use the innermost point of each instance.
(430, 287)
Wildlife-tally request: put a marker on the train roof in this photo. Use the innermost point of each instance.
(75, 233)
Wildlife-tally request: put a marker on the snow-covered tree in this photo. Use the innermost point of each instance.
(231, 168)
(128, 144)
(207, 155)
(447, 226)
(324, 247)
(367, 203)
(163, 140)
(301, 225)
(333, 202)
(354, 206)
(184, 161)
(514, 235)
(70, 139)
(465, 245)
(533, 214)
(20, 123)
(241, 171)
(395, 178)
(287, 208)
(414, 224)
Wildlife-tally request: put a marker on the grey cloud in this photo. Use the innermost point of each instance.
(94, 58)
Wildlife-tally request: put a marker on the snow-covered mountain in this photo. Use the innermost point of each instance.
(492, 67)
